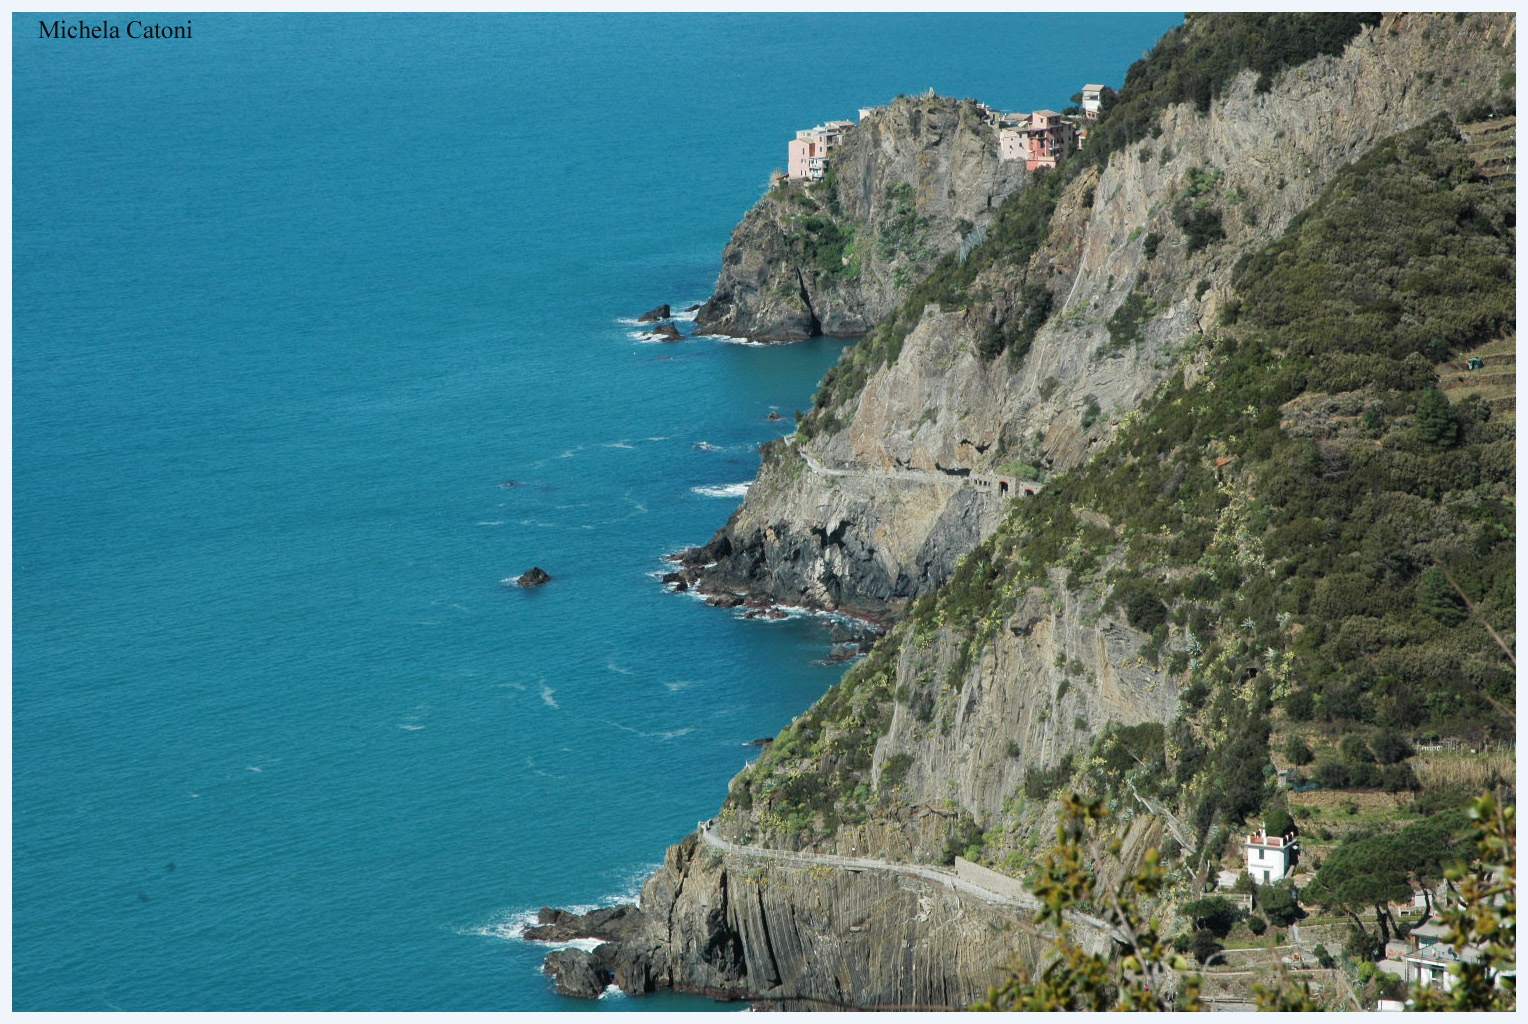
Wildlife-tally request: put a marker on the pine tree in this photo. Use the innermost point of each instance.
(1436, 597)
(1437, 424)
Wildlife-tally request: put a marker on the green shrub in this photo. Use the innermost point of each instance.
(894, 771)
(1127, 323)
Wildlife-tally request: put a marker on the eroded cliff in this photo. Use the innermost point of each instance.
(832, 257)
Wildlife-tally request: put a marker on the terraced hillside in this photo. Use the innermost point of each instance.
(1495, 381)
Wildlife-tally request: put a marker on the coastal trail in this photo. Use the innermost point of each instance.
(989, 483)
(946, 877)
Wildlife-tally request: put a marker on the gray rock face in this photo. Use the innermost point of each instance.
(577, 973)
(655, 314)
(815, 547)
(554, 925)
(803, 937)
(909, 182)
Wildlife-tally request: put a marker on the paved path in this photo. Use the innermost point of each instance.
(981, 481)
(940, 876)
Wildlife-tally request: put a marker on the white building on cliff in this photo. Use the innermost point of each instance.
(1269, 858)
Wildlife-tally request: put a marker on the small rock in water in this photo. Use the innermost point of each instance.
(532, 578)
(655, 314)
(692, 309)
(774, 416)
(675, 580)
(666, 332)
(762, 741)
(724, 600)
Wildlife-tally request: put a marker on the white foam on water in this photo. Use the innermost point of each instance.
(612, 666)
(724, 490)
(680, 684)
(687, 316)
(491, 522)
(619, 444)
(546, 695)
(651, 338)
(727, 339)
(410, 727)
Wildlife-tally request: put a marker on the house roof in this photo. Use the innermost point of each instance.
(1047, 113)
(1092, 88)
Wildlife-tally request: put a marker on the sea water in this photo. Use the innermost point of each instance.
(321, 334)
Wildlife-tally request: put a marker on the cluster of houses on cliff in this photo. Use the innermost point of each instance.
(1039, 138)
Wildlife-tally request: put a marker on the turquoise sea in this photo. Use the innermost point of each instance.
(295, 301)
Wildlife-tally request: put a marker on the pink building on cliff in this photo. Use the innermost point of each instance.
(1039, 139)
(807, 153)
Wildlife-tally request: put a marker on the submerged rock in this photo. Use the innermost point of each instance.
(724, 600)
(655, 314)
(677, 581)
(534, 577)
(577, 973)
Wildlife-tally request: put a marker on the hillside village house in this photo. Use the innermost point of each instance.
(807, 153)
(1039, 139)
(1092, 100)
(1269, 858)
(1424, 957)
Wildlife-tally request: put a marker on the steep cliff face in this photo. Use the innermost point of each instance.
(833, 257)
(1136, 264)
(797, 935)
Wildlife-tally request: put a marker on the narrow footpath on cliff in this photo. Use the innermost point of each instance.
(981, 481)
(939, 875)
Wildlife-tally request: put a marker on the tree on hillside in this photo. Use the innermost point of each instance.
(1298, 751)
(1437, 423)
(1379, 870)
(1278, 902)
(1437, 598)
(1277, 821)
(1390, 747)
(1215, 913)
(1359, 875)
